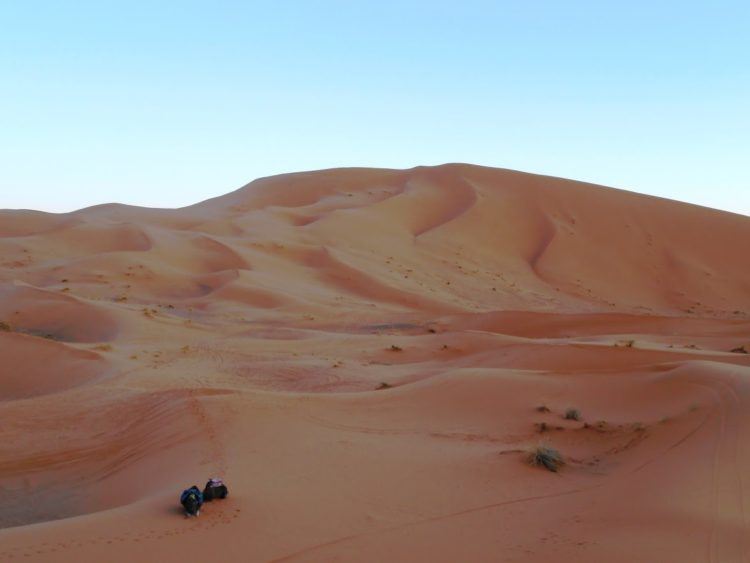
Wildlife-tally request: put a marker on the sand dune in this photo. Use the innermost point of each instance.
(34, 366)
(366, 356)
(55, 315)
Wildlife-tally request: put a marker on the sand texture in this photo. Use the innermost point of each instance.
(367, 357)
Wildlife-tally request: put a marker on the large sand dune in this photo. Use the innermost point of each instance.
(363, 355)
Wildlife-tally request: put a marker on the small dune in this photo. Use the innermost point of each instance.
(54, 315)
(36, 366)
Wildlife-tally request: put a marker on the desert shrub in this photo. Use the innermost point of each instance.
(544, 456)
(4, 327)
(395, 348)
(542, 408)
(740, 350)
(572, 414)
(384, 385)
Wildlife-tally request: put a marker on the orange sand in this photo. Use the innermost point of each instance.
(247, 336)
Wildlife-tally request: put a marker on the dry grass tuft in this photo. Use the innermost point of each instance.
(544, 456)
(542, 427)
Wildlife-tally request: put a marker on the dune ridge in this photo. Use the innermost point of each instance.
(366, 355)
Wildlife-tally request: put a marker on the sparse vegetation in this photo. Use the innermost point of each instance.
(103, 347)
(542, 427)
(4, 327)
(547, 457)
(740, 350)
(572, 414)
(395, 348)
(384, 385)
(624, 343)
(542, 408)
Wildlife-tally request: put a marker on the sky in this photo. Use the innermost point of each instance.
(169, 103)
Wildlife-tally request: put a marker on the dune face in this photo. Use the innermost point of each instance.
(366, 357)
(36, 366)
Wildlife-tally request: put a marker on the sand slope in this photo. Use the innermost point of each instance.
(362, 354)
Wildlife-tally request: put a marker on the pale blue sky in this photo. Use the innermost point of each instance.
(169, 103)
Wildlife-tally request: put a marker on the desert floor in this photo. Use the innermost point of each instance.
(367, 357)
